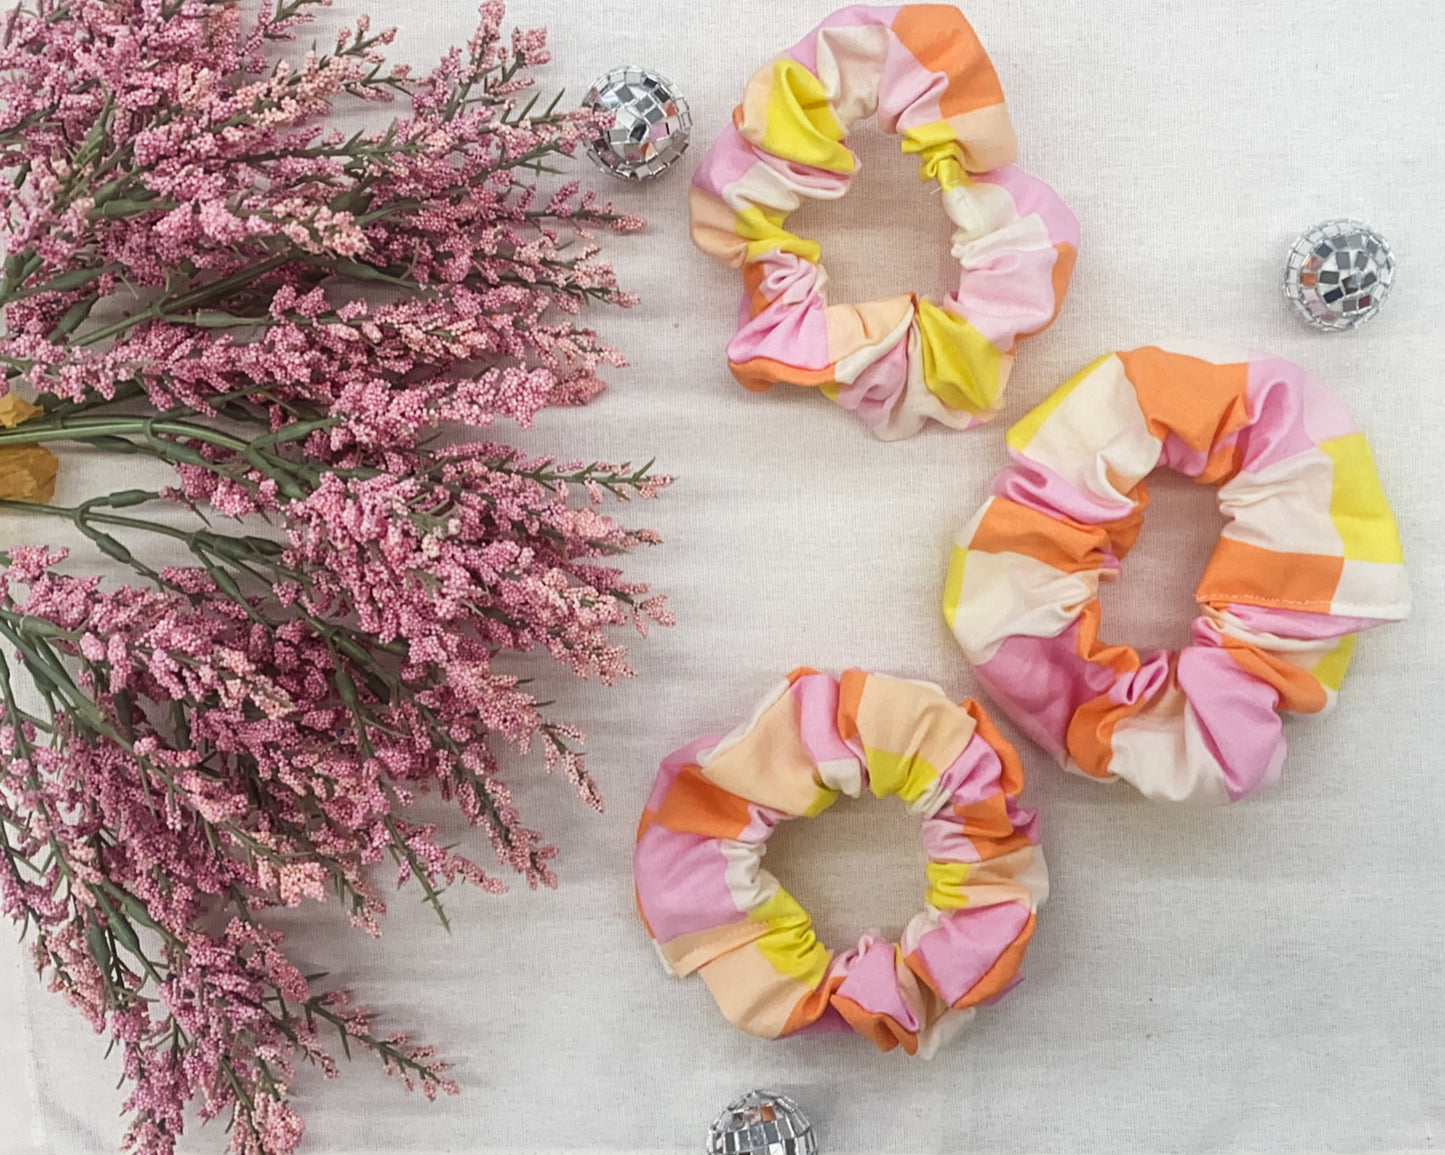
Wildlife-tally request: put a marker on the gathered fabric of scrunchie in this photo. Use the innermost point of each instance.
(901, 361)
(711, 908)
(1309, 558)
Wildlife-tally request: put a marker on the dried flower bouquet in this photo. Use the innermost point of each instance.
(198, 272)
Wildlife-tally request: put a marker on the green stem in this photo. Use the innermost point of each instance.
(192, 300)
(316, 1007)
(86, 428)
(292, 478)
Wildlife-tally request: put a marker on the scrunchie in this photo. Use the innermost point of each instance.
(1310, 557)
(900, 361)
(711, 908)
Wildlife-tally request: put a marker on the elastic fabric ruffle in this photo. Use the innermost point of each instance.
(711, 907)
(902, 361)
(1308, 559)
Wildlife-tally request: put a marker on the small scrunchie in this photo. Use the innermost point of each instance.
(711, 907)
(901, 361)
(1309, 558)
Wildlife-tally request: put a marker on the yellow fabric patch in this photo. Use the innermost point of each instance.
(1330, 672)
(1027, 427)
(960, 364)
(945, 885)
(953, 584)
(789, 945)
(825, 799)
(801, 126)
(1358, 508)
(764, 233)
(940, 156)
(906, 775)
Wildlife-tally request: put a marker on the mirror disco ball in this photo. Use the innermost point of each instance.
(651, 128)
(762, 1123)
(1338, 274)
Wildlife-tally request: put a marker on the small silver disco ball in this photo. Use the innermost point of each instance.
(651, 126)
(1338, 274)
(762, 1123)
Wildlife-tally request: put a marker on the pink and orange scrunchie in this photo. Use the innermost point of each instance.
(711, 907)
(902, 361)
(1309, 558)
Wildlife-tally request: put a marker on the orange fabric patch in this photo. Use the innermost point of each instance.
(1068, 546)
(986, 824)
(1298, 689)
(1223, 464)
(1124, 532)
(1090, 739)
(696, 806)
(1091, 730)
(1011, 776)
(1119, 659)
(941, 40)
(1196, 400)
(1253, 575)
(884, 1031)
(1002, 972)
(754, 273)
(811, 1007)
(762, 373)
(850, 697)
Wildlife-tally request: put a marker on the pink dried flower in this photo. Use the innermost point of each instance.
(302, 312)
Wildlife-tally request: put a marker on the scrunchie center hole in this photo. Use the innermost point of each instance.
(888, 235)
(1152, 604)
(856, 867)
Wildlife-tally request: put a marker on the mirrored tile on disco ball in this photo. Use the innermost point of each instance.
(652, 123)
(762, 1123)
(1338, 274)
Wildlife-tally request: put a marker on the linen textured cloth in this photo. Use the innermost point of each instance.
(1257, 978)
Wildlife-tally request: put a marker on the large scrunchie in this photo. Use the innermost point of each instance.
(901, 361)
(1309, 558)
(711, 908)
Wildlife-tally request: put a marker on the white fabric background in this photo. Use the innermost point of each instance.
(1266, 978)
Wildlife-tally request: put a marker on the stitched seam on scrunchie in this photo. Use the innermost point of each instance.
(748, 931)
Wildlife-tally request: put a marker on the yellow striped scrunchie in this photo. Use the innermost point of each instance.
(711, 907)
(898, 362)
(1310, 558)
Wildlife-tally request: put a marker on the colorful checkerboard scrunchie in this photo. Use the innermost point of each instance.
(1309, 558)
(901, 361)
(711, 907)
